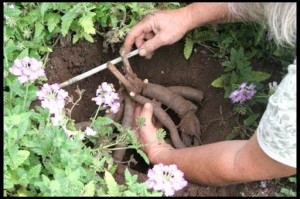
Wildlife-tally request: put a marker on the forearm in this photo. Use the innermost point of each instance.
(206, 164)
(199, 14)
(224, 162)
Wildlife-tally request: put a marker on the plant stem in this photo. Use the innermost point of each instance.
(93, 120)
(26, 93)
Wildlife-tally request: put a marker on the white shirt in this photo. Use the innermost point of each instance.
(276, 132)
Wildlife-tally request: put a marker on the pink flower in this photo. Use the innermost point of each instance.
(106, 97)
(167, 179)
(115, 107)
(52, 97)
(27, 69)
(23, 79)
(90, 131)
(107, 87)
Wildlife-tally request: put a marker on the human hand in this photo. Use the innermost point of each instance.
(146, 134)
(158, 29)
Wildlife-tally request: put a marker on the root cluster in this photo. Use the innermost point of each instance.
(178, 98)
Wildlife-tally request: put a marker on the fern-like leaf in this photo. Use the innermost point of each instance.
(188, 47)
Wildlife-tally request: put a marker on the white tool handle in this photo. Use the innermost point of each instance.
(96, 69)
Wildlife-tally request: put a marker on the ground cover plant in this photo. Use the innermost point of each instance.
(48, 153)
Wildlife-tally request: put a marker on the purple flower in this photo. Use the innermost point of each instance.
(166, 178)
(27, 69)
(106, 97)
(243, 93)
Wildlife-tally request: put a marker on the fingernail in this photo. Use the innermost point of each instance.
(147, 105)
(142, 52)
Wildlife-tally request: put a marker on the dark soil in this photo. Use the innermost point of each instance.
(167, 67)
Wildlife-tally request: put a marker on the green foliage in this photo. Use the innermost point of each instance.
(218, 83)
(289, 191)
(140, 121)
(131, 188)
(188, 47)
(236, 45)
(161, 134)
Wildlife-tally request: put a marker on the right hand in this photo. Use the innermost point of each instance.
(146, 134)
(158, 29)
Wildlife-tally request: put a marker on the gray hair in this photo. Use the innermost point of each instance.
(280, 17)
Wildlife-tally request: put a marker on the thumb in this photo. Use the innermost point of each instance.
(147, 113)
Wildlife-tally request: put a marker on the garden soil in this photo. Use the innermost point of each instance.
(167, 67)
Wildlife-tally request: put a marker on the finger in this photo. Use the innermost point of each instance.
(147, 113)
(149, 56)
(137, 113)
(140, 40)
(141, 28)
(149, 35)
(151, 45)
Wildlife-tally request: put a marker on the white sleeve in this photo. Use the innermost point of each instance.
(276, 131)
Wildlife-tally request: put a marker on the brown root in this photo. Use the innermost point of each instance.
(188, 93)
(126, 123)
(190, 126)
(176, 98)
(168, 98)
(164, 118)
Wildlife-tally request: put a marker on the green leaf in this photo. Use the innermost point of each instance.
(161, 134)
(76, 37)
(12, 12)
(87, 23)
(293, 180)
(88, 37)
(188, 47)
(19, 159)
(52, 21)
(233, 134)
(140, 121)
(144, 156)
(54, 186)
(8, 181)
(45, 7)
(39, 27)
(101, 121)
(10, 47)
(35, 171)
(89, 189)
(218, 83)
(251, 119)
(113, 188)
(23, 54)
(46, 180)
(260, 76)
(130, 179)
(67, 19)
